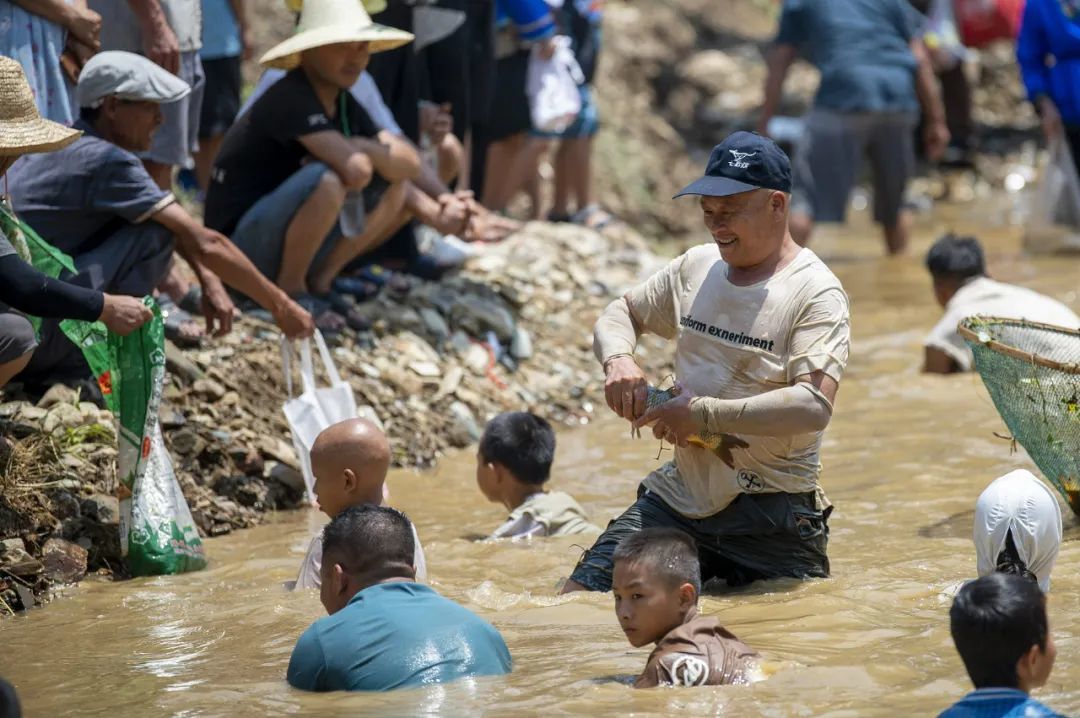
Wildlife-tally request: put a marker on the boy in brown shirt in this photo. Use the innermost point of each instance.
(656, 583)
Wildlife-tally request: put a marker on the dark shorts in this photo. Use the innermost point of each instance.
(260, 233)
(758, 536)
(16, 335)
(510, 111)
(221, 96)
(830, 156)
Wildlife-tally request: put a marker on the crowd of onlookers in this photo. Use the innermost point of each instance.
(368, 153)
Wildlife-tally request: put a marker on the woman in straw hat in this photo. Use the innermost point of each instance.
(22, 287)
(307, 154)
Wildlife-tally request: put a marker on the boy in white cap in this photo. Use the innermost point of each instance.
(307, 153)
(96, 202)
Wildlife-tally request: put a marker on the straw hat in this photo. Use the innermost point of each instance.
(22, 128)
(329, 22)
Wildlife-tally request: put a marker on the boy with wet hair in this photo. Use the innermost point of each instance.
(384, 630)
(957, 266)
(1001, 632)
(513, 463)
(656, 583)
(350, 460)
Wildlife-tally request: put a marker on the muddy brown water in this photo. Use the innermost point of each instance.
(904, 460)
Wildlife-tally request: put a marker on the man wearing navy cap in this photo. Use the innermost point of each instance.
(761, 334)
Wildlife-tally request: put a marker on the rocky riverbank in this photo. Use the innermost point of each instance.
(512, 331)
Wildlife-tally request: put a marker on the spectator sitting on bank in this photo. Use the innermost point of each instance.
(305, 154)
(1000, 628)
(513, 462)
(350, 460)
(656, 585)
(430, 198)
(94, 201)
(1018, 528)
(385, 630)
(962, 288)
(22, 287)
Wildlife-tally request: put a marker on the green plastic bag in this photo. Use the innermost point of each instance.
(157, 534)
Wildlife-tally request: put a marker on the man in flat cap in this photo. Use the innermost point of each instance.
(95, 201)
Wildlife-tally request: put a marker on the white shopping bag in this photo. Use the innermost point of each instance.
(552, 87)
(1054, 223)
(317, 407)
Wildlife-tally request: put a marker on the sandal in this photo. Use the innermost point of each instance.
(181, 328)
(347, 310)
(191, 302)
(326, 319)
(593, 217)
(362, 289)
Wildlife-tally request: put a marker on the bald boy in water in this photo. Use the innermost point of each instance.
(350, 460)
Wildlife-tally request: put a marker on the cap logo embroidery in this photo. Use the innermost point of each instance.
(739, 159)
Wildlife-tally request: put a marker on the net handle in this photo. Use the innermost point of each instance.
(1011, 351)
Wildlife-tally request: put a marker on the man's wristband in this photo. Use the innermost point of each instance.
(613, 357)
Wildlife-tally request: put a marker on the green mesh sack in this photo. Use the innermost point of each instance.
(1032, 372)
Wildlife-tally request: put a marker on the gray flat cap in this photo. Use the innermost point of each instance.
(129, 77)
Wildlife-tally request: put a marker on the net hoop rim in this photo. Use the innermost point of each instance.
(1011, 351)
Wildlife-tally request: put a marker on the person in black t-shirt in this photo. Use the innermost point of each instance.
(305, 182)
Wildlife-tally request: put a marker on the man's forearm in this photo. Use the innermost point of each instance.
(790, 410)
(240, 12)
(615, 333)
(429, 183)
(926, 86)
(205, 250)
(395, 161)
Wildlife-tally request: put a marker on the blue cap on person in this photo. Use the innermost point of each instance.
(744, 161)
(128, 76)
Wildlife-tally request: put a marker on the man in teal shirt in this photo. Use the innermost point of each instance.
(386, 631)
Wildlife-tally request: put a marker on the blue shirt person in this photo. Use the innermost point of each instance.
(999, 625)
(385, 631)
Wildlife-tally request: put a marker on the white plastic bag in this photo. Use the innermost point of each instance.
(552, 87)
(1054, 222)
(317, 407)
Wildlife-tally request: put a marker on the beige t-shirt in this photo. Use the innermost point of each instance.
(700, 652)
(734, 342)
(989, 298)
(309, 576)
(555, 513)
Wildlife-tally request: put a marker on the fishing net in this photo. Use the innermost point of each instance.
(1032, 372)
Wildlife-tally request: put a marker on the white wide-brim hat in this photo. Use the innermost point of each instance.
(332, 22)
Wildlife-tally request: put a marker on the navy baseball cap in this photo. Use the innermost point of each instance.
(744, 161)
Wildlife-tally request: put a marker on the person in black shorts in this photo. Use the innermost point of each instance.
(225, 45)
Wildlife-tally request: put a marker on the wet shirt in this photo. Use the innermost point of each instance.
(861, 47)
(701, 652)
(75, 197)
(998, 703)
(554, 513)
(309, 576)
(733, 342)
(120, 27)
(263, 148)
(986, 297)
(396, 635)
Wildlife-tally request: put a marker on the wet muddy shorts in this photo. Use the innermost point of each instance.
(757, 536)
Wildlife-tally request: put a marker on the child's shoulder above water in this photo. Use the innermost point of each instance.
(513, 463)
